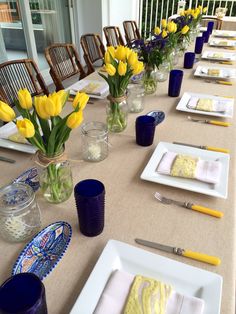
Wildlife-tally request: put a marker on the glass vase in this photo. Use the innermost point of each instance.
(149, 80)
(55, 177)
(135, 93)
(163, 71)
(117, 113)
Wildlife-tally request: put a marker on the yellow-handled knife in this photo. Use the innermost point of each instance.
(213, 260)
(224, 83)
(214, 149)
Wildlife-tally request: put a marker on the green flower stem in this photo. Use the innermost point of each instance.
(53, 181)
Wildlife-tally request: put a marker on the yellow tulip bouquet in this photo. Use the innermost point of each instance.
(43, 127)
(121, 64)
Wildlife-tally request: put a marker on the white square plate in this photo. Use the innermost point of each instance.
(216, 190)
(185, 279)
(222, 42)
(8, 129)
(182, 105)
(226, 56)
(224, 34)
(100, 92)
(225, 73)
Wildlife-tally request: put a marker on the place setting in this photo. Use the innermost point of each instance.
(224, 43)
(217, 56)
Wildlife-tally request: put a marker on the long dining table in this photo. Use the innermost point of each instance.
(131, 209)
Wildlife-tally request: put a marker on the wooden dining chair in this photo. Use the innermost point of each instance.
(217, 22)
(63, 60)
(131, 32)
(93, 49)
(19, 74)
(113, 36)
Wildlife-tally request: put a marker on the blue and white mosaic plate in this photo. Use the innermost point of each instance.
(29, 177)
(44, 251)
(158, 115)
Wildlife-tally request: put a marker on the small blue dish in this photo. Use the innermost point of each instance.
(44, 251)
(29, 177)
(158, 115)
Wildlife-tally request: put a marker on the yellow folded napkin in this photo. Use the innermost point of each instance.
(147, 296)
(213, 72)
(90, 88)
(17, 138)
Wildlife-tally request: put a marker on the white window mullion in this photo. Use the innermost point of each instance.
(150, 26)
(28, 30)
(157, 4)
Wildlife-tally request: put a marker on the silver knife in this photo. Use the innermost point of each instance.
(12, 161)
(213, 260)
(214, 149)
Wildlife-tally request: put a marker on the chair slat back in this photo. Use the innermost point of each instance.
(217, 22)
(93, 49)
(131, 31)
(19, 74)
(64, 62)
(113, 36)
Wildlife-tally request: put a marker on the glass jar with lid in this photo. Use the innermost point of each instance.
(20, 216)
(95, 141)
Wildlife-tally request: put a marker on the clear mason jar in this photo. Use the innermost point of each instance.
(135, 93)
(149, 79)
(20, 216)
(117, 113)
(163, 71)
(55, 177)
(95, 141)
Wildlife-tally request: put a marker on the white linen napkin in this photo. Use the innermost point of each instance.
(114, 297)
(215, 106)
(206, 171)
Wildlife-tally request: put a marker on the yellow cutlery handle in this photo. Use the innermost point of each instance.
(207, 211)
(213, 260)
(219, 123)
(224, 82)
(217, 149)
(226, 62)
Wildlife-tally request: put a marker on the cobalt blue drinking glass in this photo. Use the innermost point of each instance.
(90, 202)
(145, 129)
(210, 26)
(189, 58)
(175, 82)
(23, 293)
(206, 36)
(199, 45)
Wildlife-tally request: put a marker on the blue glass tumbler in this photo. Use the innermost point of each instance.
(145, 129)
(90, 202)
(206, 36)
(23, 293)
(175, 82)
(189, 58)
(199, 45)
(210, 27)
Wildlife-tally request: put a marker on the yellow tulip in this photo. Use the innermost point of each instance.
(137, 67)
(195, 16)
(74, 119)
(189, 11)
(164, 23)
(111, 50)
(204, 10)
(171, 27)
(164, 34)
(107, 57)
(25, 99)
(182, 13)
(26, 128)
(128, 51)
(7, 114)
(40, 103)
(122, 68)
(120, 53)
(197, 11)
(81, 99)
(63, 95)
(133, 58)
(157, 30)
(53, 105)
(184, 30)
(111, 70)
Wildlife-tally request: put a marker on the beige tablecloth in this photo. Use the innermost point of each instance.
(131, 209)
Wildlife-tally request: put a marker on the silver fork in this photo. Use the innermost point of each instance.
(169, 201)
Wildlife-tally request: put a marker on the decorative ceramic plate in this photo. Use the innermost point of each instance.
(158, 115)
(44, 251)
(29, 177)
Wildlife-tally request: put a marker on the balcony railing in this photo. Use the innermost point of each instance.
(153, 11)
